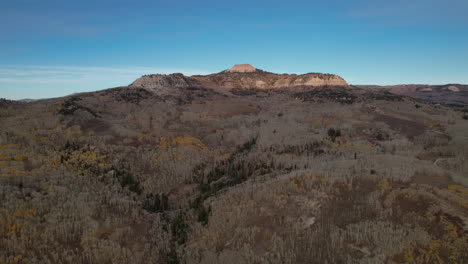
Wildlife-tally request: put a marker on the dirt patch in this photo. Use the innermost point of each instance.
(408, 128)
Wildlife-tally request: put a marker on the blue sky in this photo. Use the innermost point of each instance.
(51, 48)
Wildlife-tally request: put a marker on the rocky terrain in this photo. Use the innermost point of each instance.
(241, 166)
(242, 68)
(163, 84)
(243, 76)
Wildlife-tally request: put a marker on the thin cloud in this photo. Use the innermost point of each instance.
(67, 74)
(36, 80)
(45, 81)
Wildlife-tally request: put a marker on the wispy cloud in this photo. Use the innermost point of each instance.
(67, 74)
(36, 80)
(41, 81)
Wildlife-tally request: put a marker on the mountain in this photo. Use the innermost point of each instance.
(163, 84)
(243, 76)
(241, 166)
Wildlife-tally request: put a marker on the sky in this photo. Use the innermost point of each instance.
(52, 48)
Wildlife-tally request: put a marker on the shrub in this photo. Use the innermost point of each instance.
(380, 136)
(310, 149)
(179, 229)
(70, 106)
(200, 210)
(133, 96)
(156, 203)
(126, 180)
(333, 134)
(171, 256)
(247, 146)
(203, 215)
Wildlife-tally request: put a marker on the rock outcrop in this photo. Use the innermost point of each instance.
(240, 76)
(242, 68)
(258, 79)
(163, 84)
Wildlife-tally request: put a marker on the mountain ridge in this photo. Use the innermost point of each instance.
(446, 93)
(240, 76)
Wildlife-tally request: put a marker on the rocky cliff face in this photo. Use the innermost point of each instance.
(242, 68)
(264, 80)
(241, 76)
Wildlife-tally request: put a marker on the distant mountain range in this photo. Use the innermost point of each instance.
(446, 94)
(243, 78)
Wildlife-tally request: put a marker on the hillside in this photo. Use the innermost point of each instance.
(241, 166)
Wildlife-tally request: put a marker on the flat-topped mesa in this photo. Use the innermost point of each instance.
(242, 68)
(245, 76)
(240, 76)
